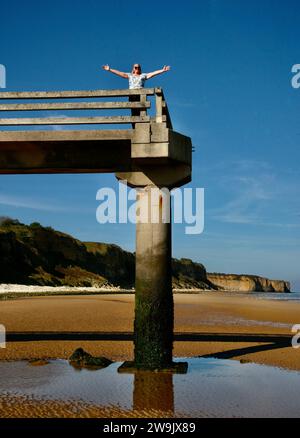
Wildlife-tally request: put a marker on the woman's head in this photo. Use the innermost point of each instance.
(136, 69)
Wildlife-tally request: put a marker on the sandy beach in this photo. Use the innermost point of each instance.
(196, 314)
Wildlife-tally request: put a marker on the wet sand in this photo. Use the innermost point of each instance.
(20, 407)
(211, 388)
(198, 313)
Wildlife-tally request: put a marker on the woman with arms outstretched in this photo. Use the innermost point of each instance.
(136, 80)
(136, 77)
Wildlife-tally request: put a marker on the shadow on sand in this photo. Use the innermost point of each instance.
(270, 341)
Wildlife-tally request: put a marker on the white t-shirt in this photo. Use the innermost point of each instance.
(136, 81)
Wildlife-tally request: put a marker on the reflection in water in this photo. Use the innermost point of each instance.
(211, 388)
(153, 391)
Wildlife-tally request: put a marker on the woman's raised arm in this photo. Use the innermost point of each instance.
(116, 72)
(158, 72)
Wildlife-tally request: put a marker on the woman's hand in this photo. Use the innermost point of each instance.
(106, 67)
(166, 68)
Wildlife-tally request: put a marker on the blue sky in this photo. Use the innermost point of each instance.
(229, 89)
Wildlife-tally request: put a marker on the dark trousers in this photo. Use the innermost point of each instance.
(134, 111)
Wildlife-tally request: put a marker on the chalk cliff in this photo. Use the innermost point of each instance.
(247, 283)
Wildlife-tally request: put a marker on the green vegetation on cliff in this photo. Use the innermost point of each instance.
(33, 254)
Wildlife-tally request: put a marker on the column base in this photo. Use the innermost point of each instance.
(174, 367)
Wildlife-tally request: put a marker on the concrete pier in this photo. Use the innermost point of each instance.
(153, 324)
(151, 155)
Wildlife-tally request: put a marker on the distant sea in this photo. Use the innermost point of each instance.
(293, 296)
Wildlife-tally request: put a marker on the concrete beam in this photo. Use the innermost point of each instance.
(157, 141)
(159, 156)
(83, 156)
(105, 120)
(64, 135)
(72, 106)
(75, 94)
(164, 175)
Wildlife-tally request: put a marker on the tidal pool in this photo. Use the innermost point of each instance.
(211, 388)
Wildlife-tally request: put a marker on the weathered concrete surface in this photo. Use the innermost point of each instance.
(153, 325)
(68, 135)
(160, 157)
(161, 176)
(77, 93)
(131, 154)
(157, 141)
(64, 151)
(73, 106)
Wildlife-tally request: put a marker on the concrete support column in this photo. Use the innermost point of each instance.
(154, 308)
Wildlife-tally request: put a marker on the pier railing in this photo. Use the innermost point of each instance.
(139, 104)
